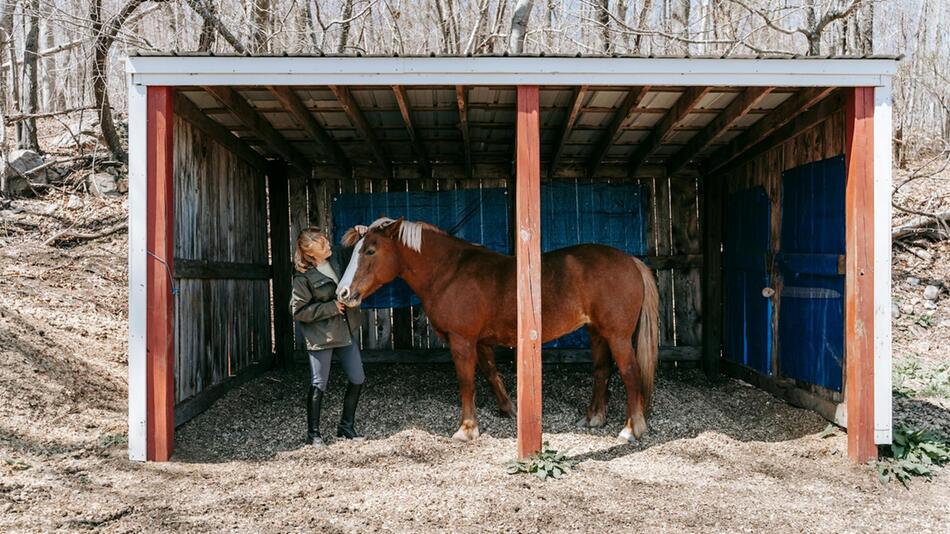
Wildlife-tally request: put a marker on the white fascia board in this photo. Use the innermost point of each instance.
(138, 260)
(209, 70)
(882, 264)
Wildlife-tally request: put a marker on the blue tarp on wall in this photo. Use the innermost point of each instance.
(571, 213)
(811, 319)
(748, 315)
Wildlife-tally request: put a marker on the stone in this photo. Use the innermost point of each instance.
(931, 292)
(102, 184)
(74, 203)
(912, 280)
(907, 308)
(17, 163)
(895, 311)
(79, 135)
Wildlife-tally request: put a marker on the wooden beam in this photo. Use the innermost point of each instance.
(609, 137)
(580, 93)
(257, 124)
(661, 134)
(681, 353)
(461, 99)
(738, 108)
(185, 109)
(292, 104)
(221, 270)
(764, 127)
(160, 329)
(277, 187)
(402, 99)
(712, 306)
(528, 260)
(352, 110)
(859, 276)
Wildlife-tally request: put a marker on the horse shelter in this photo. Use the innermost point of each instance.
(758, 190)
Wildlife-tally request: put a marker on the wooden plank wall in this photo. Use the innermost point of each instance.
(222, 321)
(820, 141)
(674, 247)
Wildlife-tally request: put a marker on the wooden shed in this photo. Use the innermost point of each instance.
(758, 189)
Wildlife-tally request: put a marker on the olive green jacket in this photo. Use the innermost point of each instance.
(313, 303)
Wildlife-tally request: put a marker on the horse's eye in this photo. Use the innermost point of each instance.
(370, 252)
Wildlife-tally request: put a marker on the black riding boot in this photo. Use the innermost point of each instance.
(314, 400)
(347, 421)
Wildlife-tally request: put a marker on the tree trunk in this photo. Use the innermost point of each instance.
(603, 20)
(519, 26)
(104, 36)
(811, 21)
(208, 15)
(260, 22)
(6, 43)
(208, 33)
(345, 26)
(26, 129)
(641, 24)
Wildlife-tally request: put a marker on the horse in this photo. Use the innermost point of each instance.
(469, 295)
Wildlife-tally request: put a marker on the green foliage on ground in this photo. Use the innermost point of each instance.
(548, 463)
(913, 453)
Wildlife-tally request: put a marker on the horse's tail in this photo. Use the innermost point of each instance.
(648, 332)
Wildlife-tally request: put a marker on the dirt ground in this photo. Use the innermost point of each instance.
(720, 457)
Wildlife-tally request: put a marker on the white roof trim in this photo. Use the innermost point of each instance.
(184, 71)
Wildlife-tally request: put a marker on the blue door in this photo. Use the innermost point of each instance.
(748, 313)
(811, 312)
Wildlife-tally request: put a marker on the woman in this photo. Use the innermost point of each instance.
(328, 327)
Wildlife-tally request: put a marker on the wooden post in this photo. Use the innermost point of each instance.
(859, 272)
(528, 253)
(160, 394)
(712, 190)
(277, 185)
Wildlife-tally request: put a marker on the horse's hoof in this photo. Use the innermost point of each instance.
(465, 434)
(582, 422)
(639, 426)
(626, 435)
(597, 420)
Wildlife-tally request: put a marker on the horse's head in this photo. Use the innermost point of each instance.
(375, 261)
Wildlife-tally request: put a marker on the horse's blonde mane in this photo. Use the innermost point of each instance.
(410, 232)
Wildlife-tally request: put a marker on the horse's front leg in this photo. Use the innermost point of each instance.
(486, 362)
(465, 357)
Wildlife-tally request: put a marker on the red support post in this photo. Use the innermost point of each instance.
(160, 419)
(528, 254)
(859, 272)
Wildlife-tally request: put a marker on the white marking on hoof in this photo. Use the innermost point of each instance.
(465, 434)
(597, 421)
(627, 435)
(582, 422)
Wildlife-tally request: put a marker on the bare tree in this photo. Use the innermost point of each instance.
(519, 25)
(345, 26)
(26, 129)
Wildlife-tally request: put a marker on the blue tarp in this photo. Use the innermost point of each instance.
(811, 321)
(748, 315)
(571, 213)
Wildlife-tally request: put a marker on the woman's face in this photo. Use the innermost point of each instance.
(319, 250)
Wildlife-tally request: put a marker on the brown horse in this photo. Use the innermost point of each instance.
(469, 295)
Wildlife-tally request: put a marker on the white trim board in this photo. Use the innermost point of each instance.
(138, 261)
(236, 71)
(882, 264)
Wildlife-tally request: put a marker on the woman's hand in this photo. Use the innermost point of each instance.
(340, 307)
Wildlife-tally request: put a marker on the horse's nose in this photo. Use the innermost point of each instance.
(343, 293)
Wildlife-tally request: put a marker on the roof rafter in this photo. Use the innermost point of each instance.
(780, 116)
(291, 103)
(627, 108)
(461, 99)
(738, 108)
(345, 98)
(684, 104)
(257, 124)
(417, 145)
(580, 93)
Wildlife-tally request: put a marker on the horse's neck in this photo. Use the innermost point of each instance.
(434, 257)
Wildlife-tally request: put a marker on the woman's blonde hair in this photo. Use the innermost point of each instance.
(308, 239)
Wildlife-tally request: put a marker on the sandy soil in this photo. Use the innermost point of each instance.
(720, 457)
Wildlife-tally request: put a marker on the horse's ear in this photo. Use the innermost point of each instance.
(389, 228)
(351, 237)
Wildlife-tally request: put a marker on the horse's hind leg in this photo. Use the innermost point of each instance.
(622, 350)
(600, 355)
(464, 356)
(486, 362)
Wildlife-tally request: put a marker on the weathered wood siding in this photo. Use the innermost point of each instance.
(222, 315)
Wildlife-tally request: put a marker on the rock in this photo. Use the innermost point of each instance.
(50, 208)
(74, 203)
(79, 135)
(911, 280)
(102, 184)
(19, 162)
(907, 308)
(931, 292)
(895, 311)
(122, 186)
